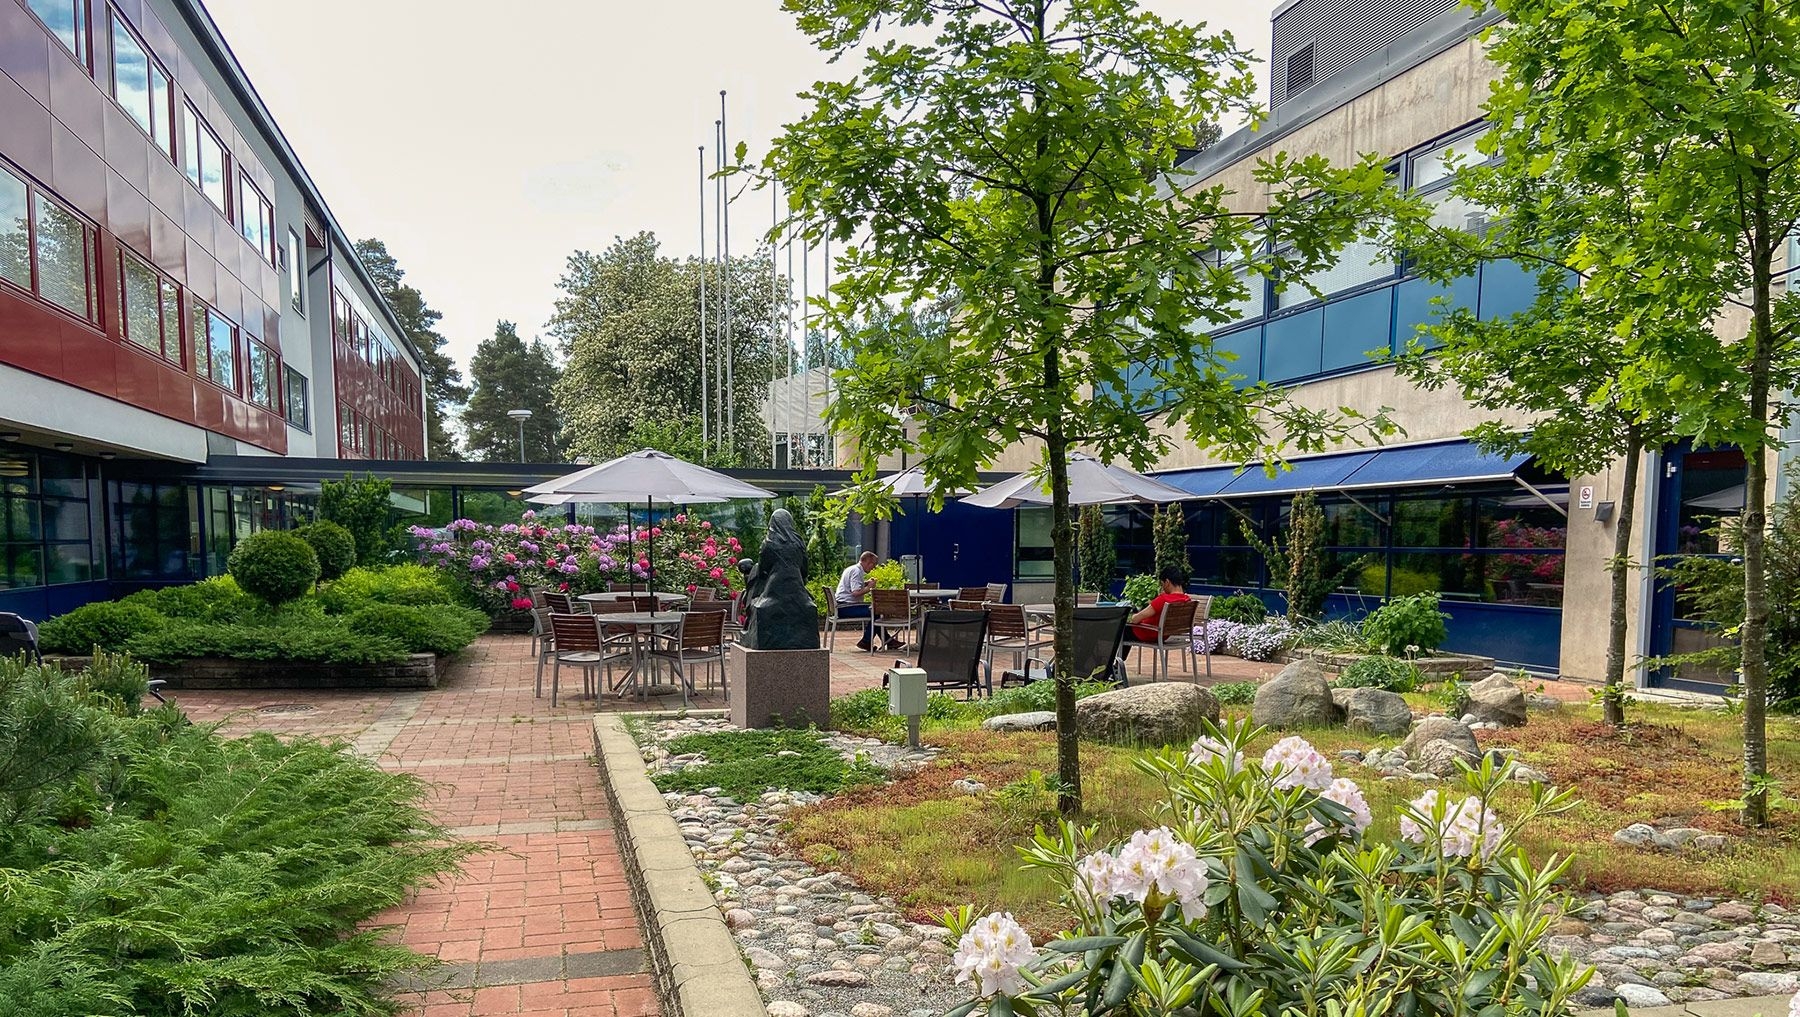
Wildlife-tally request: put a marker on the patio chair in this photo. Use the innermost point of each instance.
(1099, 640)
(972, 593)
(562, 603)
(704, 593)
(950, 652)
(699, 639)
(1008, 633)
(996, 593)
(835, 621)
(18, 635)
(890, 611)
(1174, 634)
(734, 614)
(578, 643)
(645, 602)
(969, 605)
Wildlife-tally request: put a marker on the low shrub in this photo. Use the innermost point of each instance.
(866, 712)
(439, 628)
(1245, 608)
(274, 567)
(1406, 626)
(1261, 642)
(889, 575)
(414, 585)
(1338, 636)
(1036, 696)
(744, 764)
(118, 677)
(1380, 672)
(311, 640)
(1140, 590)
(217, 599)
(861, 711)
(1235, 693)
(334, 546)
(109, 625)
(1214, 635)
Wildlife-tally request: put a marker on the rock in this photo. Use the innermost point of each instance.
(835, 979)
(787, 1008)
(968, 786)
(738, 918)
(1731, 911)
(1496, 700)
(1297, 697)
(1640, 995)
(1432, 729)
(1530, 775)
(1710, 842)
(871, 1010)
(1340, 698)
(1636, 835)
(1680, 836)
(1037, 720)
(1770, 983)
(1540, 701)
(1164, 713)
(1720, 953)
(1595, 995)
(1376, 710)
(765, 960)
(1766, 954)
(1443, 758)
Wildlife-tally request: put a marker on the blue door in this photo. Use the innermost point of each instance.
(963, 545)
(1697, 489)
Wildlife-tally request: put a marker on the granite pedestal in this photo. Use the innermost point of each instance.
(792, 687)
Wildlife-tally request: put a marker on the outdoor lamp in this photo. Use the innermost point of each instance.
(906, 698)
(521, 416)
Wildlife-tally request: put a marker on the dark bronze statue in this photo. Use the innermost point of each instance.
(782, 614)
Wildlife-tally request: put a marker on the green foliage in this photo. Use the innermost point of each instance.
(1244, 608)
(1235, 693)
(153, 866)
(360, 506)
(1098, 557)
(866, 712)
(1337, 636)
(1168, 539)
(117, 677)
(334, 546)
(861, 711)
(108, 625)
(827, 552)
(415, 585)
(440, 628)
(507, 373)
(745, 764)
(889, 575)
(216, 599)
(274, 567)
(1380, 672)
(443, 380)
(1302, 561)
(1036, 696)
(299, 638)
(1141, 589)
(1406, 626)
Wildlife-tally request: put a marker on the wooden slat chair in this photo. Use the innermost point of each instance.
(1007, 632)
(1087, 599)
(950, 652)
(1099, 649)
(972, 593)
(1174, 634)
(960, 604)
(562, 603)
(578, 643)
(996, 593)
(891, 612)
(699, 639)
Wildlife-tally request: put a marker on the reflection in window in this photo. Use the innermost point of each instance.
(46, 522)
(215, 345)
(265, 377)
(299, 408)
(61, 248)
(149, 309)
(205, 159)
(15, 231)
(1033, 552)
(1440, 164)
(256, 220)
(67, 20)
(155, 530)
(140, 85)
(296, 273)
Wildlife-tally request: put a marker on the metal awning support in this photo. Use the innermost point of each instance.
(1240, 513)
(1383, 520)
(1541, 496)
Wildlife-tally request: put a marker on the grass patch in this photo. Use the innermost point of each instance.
(932, 848)
(744, 764)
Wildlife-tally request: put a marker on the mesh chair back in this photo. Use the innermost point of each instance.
(950, 646)
(1006, 621)
(1178, 620)
(575, 632)
(17, 636)
(1099, 640)
(972, 593)
(996, 592)
(889, 603)
(702, 630)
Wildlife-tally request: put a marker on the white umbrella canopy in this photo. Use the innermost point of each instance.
(1091, 482)
(643, 476)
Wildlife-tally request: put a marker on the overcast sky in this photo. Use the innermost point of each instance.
(485, 148)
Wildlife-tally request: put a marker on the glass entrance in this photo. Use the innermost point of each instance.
(1697, 490)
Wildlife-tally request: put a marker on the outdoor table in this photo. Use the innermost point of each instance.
(641, 623)
(661, 598)
(1048, 610)
(916, 598)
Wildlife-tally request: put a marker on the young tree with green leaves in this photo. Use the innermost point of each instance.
(1687, 114)
(444, 389)
(510, 374)
(1024, 157)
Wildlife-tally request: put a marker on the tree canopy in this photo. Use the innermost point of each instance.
(444, 388)
(509, 374)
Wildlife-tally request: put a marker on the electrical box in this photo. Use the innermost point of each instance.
(914, 567)
(906, 691)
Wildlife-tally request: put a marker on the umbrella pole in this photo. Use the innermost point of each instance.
(650, 551)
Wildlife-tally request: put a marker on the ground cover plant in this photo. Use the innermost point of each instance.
(152, 866)
(744, 764)
(866, 712)
(933, 847)
(366, 616)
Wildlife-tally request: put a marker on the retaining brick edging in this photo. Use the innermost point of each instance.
(417, 671)
(693, 959)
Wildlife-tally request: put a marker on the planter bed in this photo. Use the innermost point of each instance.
(1439, 665)
(417, 671)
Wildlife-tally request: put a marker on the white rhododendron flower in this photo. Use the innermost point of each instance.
(1206, 749)
(1160, 861)
(1469, 829)
(1096, 880)
(1295, 763)
(1344, 792)
(991, 955)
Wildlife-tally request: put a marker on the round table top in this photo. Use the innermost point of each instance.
(661, 598)
(640, 618)
(932, 593)
(1051, 608)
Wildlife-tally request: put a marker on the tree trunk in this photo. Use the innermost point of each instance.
(1613, 697)
(1062, 538)
(1755, 631)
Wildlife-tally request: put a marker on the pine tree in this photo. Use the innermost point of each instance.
(509, 374)
(443, 381)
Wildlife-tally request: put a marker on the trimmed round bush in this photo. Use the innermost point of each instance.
(274, 567)
(333, 544)
(1380, 672)
(1245, 608)
(108, 625)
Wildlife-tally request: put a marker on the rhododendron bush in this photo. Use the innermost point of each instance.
(499, 564)
(1255, 893)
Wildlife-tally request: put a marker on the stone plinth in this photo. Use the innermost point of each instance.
(792, 687)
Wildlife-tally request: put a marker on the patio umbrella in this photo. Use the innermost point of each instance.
(650, 475)
(908, 483)
(1091, 482)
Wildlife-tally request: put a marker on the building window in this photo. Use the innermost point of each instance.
(215, 345)
(140, 85)
(265, 377)
(48, 533)
(205, 160)
(296, 273)
(45, 248)
(68, 21)
(1433, 172)
(256, 219)
(1300, 75)
(149, 309)
(299, 412)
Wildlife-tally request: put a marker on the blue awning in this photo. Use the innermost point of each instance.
(1448, 462)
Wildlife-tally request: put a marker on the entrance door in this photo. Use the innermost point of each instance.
(1697, 489)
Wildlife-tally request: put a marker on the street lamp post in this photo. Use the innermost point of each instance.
(521, 416)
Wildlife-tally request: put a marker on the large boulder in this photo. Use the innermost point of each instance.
(1431, 729)
(1496, 700)
(1162, 713)
(1444, 758)
(1297, 697)
(1036, 720)
(1376, 710)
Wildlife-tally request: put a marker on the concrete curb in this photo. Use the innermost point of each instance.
(1745, 1006)
(693, 959)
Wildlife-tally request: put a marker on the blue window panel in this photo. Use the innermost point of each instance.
(1506, 289)
(1202, 482)
(1246, 344)
(1356, 325)
(1291, 345)
(1317, 473)
(1413, 305)
(1438, 463)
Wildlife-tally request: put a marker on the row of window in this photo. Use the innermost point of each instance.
(49, 530)
(359, 435)
(355, 337)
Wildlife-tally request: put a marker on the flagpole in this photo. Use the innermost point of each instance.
(774, 302)
(725, 254)
(718, 248)
(705, 423)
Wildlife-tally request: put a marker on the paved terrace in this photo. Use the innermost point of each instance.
(543, 925)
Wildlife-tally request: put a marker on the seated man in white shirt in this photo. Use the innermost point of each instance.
(853, 596)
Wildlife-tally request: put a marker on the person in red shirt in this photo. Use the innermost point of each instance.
(1143, 624)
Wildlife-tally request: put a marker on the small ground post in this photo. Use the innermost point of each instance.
(906, 698)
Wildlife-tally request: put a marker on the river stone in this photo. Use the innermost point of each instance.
(786, 1008)
(1640, 995)
(1431, 729)
(1376, 710)
(1164, 713)
(1036, 720)
(1767, 954)
(1636, 835)
(1297, 697)
(1442, 757)
(1496, 700)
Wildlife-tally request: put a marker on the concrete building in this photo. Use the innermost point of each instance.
(173, 290)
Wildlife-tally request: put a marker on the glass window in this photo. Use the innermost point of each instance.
(67, 20)
(1440, 164)
(221, 342)
(1358, 262)
(140, 85)
(265, 377)
(61, 248)
(171, 322)
(140, 309)
(15, 231)
(296, 273)
(1432, 522)
(256, 220)
(197, 333)
(1034, 554)
(205, 159)
(298, 410)
(156, 530)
